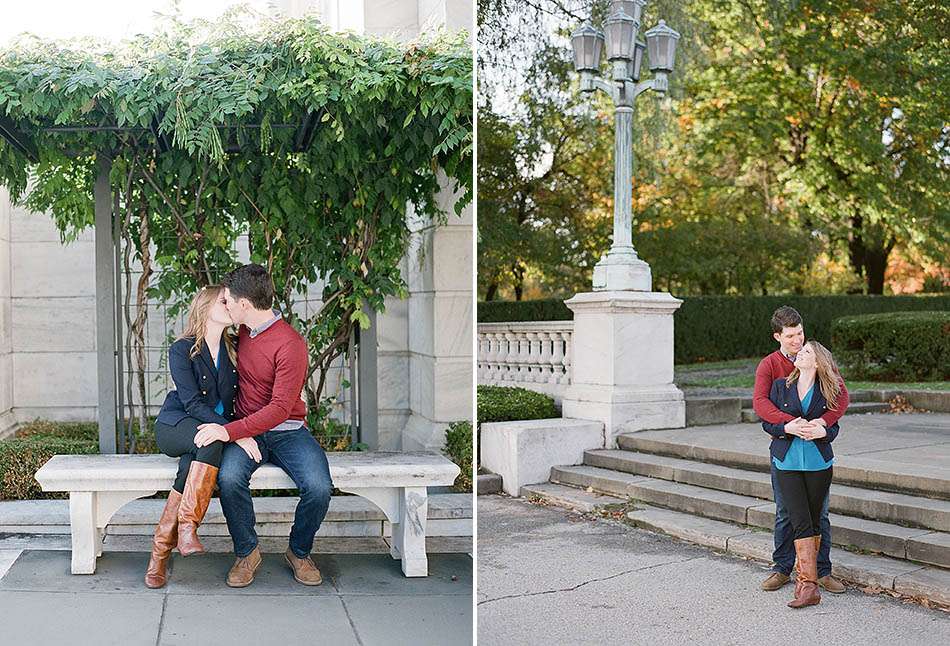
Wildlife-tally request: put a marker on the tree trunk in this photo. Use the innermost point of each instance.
(868, 252)
(492, 291)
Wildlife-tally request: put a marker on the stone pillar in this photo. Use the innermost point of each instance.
(7, 420)
(623, 362)
(440, 326)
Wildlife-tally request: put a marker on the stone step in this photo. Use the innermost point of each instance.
(854, 408)
(488, 483)
(568, 497)
(915, 544)
(862, 570)
(896, 508)
(449, 514)
(878, 474)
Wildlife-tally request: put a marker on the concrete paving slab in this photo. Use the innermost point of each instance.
(626, 585)
(227, 619)
(398, 621)
(358, 574)
(42, 570)
(79, 619)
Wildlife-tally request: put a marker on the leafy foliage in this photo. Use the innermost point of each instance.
(458, 446)
(803, 147)
(228, 99)
(714, 328)
(894, 346)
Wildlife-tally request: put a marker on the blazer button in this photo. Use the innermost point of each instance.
(786, 405)
(204, 392)
(204, 376)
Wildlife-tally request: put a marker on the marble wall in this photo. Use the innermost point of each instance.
(7, 419)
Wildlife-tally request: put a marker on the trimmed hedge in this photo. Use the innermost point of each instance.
(20, 457)
(894, 346)
(458, 446)
(507, 403)
(718, 328)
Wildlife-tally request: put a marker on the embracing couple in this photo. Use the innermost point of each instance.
(236, 405)
(799, 395)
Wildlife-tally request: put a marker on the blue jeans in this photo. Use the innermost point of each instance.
(784, 554)
(299, 454)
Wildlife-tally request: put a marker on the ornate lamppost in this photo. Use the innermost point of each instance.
(620, 268)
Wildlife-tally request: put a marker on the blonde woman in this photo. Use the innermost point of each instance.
(203, 364)
(803, 458)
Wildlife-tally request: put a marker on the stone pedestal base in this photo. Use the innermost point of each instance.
(622, 362)
(621, 269)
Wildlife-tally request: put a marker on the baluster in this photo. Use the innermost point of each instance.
(544, 360)
(557, 358)
(511, 356)
(568, 350)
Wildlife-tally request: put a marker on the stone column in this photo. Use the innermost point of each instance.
(7, 420)
(623, 362)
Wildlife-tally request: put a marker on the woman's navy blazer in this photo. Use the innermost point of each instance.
(786, 399)
(199, 385)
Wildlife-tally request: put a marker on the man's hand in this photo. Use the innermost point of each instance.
(208, 433)
(249, 444)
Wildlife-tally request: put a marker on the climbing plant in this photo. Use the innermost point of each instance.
(206, 124)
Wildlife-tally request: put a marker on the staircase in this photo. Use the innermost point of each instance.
(891, 527)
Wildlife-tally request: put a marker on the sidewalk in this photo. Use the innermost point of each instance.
(549, 576)
(364, 600)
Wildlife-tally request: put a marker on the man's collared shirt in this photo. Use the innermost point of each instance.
(266, 324)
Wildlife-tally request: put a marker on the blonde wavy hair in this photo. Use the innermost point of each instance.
(198, 313)
(826, 374)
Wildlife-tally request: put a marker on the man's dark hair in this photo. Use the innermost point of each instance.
(785, 316)
(253, 283)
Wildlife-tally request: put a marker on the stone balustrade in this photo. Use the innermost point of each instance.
(533, 355)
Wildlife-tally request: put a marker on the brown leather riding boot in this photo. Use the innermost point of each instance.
(194, 504)
(163, 542)
(806, 593)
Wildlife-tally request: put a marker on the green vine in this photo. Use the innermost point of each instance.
(227, 99)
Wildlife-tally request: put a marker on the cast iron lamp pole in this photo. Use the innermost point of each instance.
(620, 268)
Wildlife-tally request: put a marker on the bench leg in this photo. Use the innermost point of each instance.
(85, 535)
(409, 533)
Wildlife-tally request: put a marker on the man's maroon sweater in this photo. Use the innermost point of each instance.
(775, 366)
(272, 368)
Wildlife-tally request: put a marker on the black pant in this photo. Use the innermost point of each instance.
(804, 494)
(179, 441)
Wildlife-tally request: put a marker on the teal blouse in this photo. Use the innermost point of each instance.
(803, 455)
(219, 409)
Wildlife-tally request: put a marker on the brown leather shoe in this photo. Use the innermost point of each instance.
(774, 581)
(831, 584)
(194, 503)
(806, 592)
(163, 542)
(242, 572)
(305, 571)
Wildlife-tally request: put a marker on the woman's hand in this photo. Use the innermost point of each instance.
(249, 444)
(795, 427)
(814, 432)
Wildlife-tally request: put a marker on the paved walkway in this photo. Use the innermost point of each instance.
(364, 600)
(549, 576)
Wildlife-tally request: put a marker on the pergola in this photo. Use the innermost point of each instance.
(109, 333)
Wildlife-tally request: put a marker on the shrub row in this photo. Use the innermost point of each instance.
(717, 328)
(894, 346)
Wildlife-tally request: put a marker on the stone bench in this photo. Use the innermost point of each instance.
(99, 485)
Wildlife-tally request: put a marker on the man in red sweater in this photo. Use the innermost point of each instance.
(269, 427)
(787, 330)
